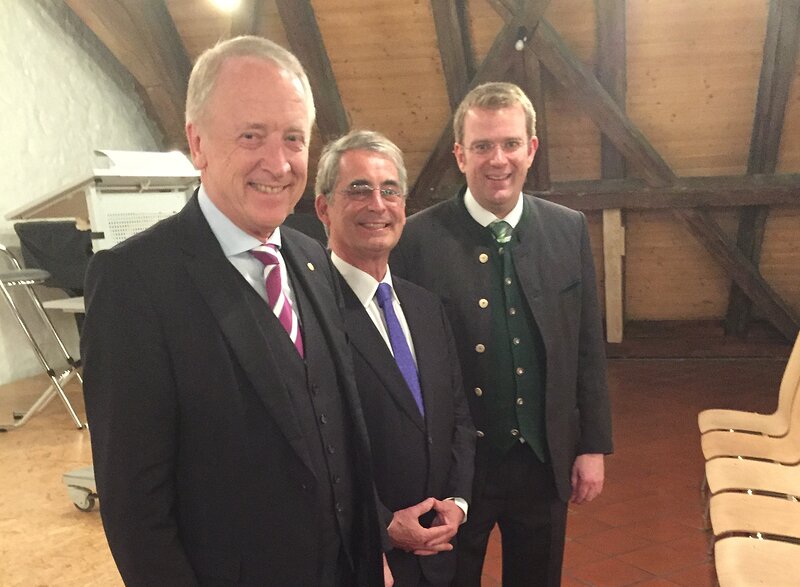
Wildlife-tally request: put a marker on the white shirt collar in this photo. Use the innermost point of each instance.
(361, 282)
(232, 239)
(483, 217)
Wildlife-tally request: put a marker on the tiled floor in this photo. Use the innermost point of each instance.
(646, 529)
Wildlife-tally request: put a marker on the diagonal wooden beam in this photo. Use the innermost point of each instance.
(741, 269)
(777, 72)
(452, 37)
(306, 43)
(493, 68)
(143, 38)
(581, 83)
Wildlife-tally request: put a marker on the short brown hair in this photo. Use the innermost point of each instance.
(493, 96)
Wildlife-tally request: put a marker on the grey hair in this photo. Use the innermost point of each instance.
(356, 140)
(206, 70)
(494, 96)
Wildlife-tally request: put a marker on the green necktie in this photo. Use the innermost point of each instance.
(501, 231)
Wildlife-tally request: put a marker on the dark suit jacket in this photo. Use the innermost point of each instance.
(202, 470)
(445, 250)
(413, 458)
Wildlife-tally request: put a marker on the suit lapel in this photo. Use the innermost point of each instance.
(367, 341)
(527, 264)
(221, 286)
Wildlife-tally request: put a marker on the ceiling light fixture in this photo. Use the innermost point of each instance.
(226, 5)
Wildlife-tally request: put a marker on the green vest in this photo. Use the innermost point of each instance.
(514, 400)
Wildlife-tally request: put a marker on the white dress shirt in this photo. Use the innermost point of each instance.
(365, 287)
(483, 217)
(236, 245)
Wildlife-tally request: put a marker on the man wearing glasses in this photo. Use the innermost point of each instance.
(517, 278)
(406, 365)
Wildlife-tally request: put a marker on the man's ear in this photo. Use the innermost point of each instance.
(458, 151)
(195, 146)
(321, 206)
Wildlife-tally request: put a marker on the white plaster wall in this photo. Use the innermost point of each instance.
(62, 95)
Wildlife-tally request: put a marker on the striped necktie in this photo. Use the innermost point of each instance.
(280, 304)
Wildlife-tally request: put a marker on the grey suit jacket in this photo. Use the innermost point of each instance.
(413, 458)
(446, 251)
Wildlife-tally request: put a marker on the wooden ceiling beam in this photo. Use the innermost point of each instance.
(581, 83)
(452, 36)
(244, 20)
(777, 72)
(741, 270)
(612, 75)
(305, 39)
(493, 68)
(143, 38)
(688, 192)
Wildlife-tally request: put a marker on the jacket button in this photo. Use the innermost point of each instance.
(479, 433)
(483, 302)
(514, 432)
(520, 401)
(479, 348)
(520, 371)
(483, 257)
(512, 311)
(478, 391)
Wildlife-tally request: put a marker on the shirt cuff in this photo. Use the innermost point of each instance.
(462, 504)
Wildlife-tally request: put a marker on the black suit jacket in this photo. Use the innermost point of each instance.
(446, 251)
(413, 458)
(203, 473)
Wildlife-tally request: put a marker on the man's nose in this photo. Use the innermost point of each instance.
(498, 155)
(273, 157)
(375, 200)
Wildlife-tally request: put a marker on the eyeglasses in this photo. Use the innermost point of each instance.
(487, 147)
(362, 192)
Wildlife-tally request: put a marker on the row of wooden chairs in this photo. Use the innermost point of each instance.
(752, 481)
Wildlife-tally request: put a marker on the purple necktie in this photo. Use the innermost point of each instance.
(280, 304)
(402, 354)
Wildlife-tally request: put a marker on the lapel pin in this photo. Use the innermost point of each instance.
(310, 266)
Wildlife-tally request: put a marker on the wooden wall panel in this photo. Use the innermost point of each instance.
(780, 254)
(693, 70)
(789, 154)
(386, 61)
(668, 274)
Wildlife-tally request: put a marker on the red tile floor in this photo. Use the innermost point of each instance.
(646, 528)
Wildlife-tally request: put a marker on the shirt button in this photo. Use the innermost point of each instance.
(508, 281)
(331, 449)
(483, 257)
(323, 419)
(478, 391)
(339, 507)
(483, 302)
(514, 432)
(479, 348)
(512, 311)
(336, 479)
(479, 433)
(520, 371)
(500, 250)
(515, 340)
(520, 401)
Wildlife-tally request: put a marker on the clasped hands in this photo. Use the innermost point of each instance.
(406, 533)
